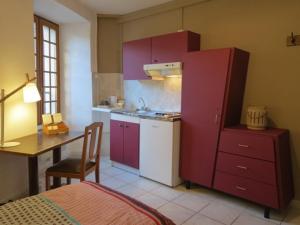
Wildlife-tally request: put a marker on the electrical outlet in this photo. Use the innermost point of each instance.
(293, 40)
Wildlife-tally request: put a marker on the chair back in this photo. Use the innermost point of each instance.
(91, 144)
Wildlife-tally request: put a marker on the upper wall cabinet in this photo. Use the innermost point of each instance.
(135, 55)
(160, 49)
(171, 47)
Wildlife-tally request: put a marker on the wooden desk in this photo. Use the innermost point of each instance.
(37, 144)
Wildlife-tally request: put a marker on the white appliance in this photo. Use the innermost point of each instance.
(161, 70)
(159, 151)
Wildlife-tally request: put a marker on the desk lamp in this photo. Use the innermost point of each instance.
(30, 94)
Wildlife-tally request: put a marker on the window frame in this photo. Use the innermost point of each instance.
(40, 22)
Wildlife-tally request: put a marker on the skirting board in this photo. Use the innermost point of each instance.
(295, 204)
(14, 197)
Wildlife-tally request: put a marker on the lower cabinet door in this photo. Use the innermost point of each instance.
(131, 144)
(257, 192)
(116, 140)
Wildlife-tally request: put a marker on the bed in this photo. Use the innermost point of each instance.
(83, 203)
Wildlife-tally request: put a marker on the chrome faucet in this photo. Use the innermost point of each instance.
(144, 107)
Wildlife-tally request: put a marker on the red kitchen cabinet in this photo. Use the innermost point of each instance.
(171, 47)
(116, 140)
(213, 84)
(161, 49)
(135, 55)
(255, 165)
(131, 144)
(124, 143)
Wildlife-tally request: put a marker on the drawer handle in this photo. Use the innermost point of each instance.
(154, 126)
(120, 125)
(241, 188)
(243, 146)
(242, 167)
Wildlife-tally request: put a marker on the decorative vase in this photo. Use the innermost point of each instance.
(257, 117)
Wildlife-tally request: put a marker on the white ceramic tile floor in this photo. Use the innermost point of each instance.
(197, 206)
(112, 171)
(128, 177)
(152, 200)
(222, 213)
(191, 201)
(251, 220)
(199, 219)
(132, 191)
(113, 183)
(167, 193)
(276, 217)
(175, 212)
(146, 184)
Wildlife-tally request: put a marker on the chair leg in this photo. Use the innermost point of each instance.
(47, 182)
(82, 178)
(68, 180)
(97, 175)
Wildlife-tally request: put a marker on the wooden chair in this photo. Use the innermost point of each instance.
(89, 162)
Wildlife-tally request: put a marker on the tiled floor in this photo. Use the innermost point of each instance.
(197, 206)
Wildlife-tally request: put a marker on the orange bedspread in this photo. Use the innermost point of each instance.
(90, 203)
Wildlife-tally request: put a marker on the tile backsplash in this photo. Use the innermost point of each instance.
(105, 85)
(158, 95)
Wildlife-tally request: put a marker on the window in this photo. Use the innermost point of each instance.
(46, 54)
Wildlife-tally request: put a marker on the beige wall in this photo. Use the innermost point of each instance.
(261, 27)
(16, 47)
(109, 50)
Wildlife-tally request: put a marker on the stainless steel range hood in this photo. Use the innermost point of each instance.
(163, 70)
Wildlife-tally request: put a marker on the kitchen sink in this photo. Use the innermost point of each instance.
(148, 114)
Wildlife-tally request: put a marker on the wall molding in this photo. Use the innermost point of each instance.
(109, 16)
(295, 204)
(169, 6)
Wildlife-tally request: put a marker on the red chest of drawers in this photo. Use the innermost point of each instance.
(255, 165)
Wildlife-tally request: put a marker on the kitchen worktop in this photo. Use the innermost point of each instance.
(103, 108)
(153, 115)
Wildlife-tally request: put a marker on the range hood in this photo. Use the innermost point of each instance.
(163, 70)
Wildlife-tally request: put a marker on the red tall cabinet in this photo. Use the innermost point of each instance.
(213, 84)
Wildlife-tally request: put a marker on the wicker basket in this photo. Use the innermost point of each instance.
(257, 118)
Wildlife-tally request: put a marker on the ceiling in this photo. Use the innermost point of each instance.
(120, 7)
(55, 12)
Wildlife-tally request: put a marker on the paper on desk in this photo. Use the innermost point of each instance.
(57, 118)
(47, 119)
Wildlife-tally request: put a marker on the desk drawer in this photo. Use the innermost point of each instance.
(254, 146)
(255, 169)
(263, 194)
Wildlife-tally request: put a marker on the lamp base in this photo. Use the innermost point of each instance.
(9, 144)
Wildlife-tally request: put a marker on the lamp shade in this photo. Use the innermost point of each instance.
(31, 93)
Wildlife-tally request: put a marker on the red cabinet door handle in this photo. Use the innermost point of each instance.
(243, 146)
(241, 188)
(218, 114)
(120, 125)
(242, 167)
